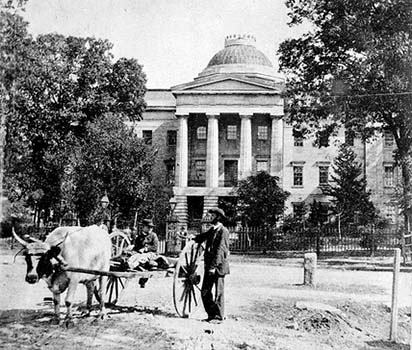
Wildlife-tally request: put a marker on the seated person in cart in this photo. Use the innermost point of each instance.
(145, 249)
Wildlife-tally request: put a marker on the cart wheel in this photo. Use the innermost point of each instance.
(115, 286)
(187, 280)
(120, 241)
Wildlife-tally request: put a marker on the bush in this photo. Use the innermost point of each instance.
(16, 215)
(300, 241)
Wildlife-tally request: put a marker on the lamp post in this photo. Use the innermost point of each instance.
(172, 203)
(171, 227)
(104, 202)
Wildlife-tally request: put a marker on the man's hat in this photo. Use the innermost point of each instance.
(217, 211)
(147, 222)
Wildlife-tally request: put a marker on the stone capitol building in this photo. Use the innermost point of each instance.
(229, 123)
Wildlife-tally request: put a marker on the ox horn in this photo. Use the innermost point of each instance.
(35, 240)
(18, 239)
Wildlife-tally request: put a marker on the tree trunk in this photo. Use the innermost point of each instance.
(406, 168)
(2, 145)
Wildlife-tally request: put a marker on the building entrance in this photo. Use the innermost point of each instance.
(195, 211)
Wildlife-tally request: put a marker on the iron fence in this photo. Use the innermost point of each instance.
(258, 239)
(252, 239)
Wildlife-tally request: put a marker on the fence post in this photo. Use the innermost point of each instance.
(372, 235)
(318, 241)
(395, 284)
(309, 267)
(246, 233)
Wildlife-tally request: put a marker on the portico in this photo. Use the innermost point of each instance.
(230, 122)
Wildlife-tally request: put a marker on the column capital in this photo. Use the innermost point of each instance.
(182, 116)
(212, 116)
(245, 116)
(276, 116)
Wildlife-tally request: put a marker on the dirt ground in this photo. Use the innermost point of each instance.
(261, 308)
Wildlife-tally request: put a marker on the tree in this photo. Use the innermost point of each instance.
(59, 86)
(316, 214)
(348, 189)
(260, 199)
(13, 39)
(353, 68)
(111, 159)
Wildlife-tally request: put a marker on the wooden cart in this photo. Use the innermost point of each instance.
(187, 275)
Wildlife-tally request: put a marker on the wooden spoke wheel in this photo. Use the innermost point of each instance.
(115, 286)
(187, 280)
(120, 241)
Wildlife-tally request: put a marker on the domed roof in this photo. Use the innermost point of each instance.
(239, 57)
(240, 49)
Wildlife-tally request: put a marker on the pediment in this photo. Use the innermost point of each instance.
(226, 85)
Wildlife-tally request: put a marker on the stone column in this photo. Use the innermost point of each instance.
(245, 161)
(276, 151)
(212, 152)
(182, 152)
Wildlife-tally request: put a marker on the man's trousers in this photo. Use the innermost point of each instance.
(214, 304)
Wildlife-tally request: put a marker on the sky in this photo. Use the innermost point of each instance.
(173, 39)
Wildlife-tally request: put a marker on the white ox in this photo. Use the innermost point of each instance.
(78, 247)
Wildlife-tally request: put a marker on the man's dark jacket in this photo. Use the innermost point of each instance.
(216, 250)
(149, 242)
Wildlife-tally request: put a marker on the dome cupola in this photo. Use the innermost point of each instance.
(239, 56)
(240, 49)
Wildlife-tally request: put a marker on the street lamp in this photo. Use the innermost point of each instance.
(172, 203)
(105, 201)
(171, 227)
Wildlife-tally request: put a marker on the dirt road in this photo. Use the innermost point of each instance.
(261, 313)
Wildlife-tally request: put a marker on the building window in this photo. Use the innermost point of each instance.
(388, 140)
(170, 174)
(388, 177)
(298, 176)
(171, 137)
(298, 210)
(261, 165)
(390, 213)
(298, 141)
(200, 170)
(147, 136)
(201, 133)
(323, 175)
(349, 137)
(231, 132)
(323, 139)
(262, 132)
(231, 173)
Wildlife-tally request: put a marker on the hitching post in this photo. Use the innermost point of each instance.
(309, 266)
(395, 284)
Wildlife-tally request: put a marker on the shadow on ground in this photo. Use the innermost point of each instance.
(116, 309)
(22, 316)
(384, 344)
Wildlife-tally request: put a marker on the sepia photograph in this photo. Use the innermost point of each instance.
(206, 174)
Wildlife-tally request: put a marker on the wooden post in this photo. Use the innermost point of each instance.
(395, 284)
(372, 236)
(309, 266)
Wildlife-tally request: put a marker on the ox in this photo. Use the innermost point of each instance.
(79, 247)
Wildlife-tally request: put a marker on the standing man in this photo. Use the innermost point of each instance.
(216, 258)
